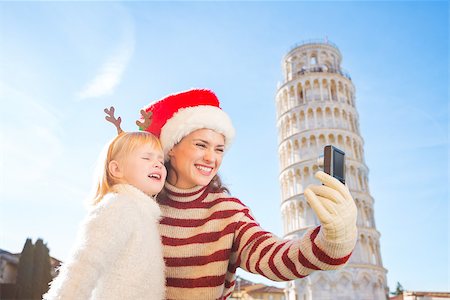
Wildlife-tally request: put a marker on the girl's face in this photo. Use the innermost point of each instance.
(144, 169)
(196, 159)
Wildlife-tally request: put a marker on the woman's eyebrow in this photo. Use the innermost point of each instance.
(206, 142)
(200, 140)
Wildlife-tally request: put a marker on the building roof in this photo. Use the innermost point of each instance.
(254, 288)
(6, 252)
(14, 258)
(267, 289)
(432, 294)
(9, 257)
(243, 282)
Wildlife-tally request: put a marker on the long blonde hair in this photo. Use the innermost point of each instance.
(119, 148)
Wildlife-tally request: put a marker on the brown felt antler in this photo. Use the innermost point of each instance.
(147, 120)
(110, 117)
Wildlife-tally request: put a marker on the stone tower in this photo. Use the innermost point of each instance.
(315, 107)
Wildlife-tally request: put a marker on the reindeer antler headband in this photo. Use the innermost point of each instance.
(116, 121)
(148, 117)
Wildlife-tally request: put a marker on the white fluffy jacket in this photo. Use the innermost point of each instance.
(118, 254)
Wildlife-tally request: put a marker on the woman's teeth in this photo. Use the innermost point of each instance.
(204, 169)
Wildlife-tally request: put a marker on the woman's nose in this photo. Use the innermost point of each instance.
(209, 156)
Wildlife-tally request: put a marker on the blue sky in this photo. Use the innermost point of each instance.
(61, 63)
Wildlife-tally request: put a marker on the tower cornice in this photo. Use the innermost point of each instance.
(313, 161)
(313, 74)
(317, 104)
(319, 131)
(313, 44)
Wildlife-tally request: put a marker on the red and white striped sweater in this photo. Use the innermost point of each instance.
(206, 236)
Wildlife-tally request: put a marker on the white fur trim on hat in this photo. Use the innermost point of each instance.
(189, 119)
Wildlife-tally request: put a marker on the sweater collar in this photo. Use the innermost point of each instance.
(184, 195)
(145, 203)
(134, 192)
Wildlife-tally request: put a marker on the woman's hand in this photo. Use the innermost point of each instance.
(335, 208)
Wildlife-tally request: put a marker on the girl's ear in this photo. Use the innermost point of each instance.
(114, 169)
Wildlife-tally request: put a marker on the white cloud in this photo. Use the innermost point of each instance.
(110, 73)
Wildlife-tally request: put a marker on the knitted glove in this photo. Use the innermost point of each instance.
(335, 208)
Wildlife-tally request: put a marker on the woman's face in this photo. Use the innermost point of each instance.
(196, 159)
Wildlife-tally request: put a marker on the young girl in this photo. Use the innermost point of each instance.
(119, 253)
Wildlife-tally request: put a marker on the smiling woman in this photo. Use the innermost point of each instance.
(207, 234)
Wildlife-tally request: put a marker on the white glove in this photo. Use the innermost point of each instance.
(334, 207)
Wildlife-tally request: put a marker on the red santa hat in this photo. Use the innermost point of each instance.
(177, 115)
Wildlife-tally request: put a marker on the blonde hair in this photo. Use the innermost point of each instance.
(120, 147)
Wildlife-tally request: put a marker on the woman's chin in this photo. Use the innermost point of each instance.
(203, 180)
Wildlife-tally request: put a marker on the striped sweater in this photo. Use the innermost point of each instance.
(207, 236)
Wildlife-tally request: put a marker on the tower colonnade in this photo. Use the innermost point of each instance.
(315, 89)
(318, 115)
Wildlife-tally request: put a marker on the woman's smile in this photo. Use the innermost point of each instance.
(204, 170)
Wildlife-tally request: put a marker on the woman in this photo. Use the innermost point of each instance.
(207, 234)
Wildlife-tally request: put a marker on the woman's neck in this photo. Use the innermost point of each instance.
(183, 195)
(180, 184)
(175, 181)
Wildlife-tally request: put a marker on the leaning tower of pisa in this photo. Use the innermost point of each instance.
(316, 107)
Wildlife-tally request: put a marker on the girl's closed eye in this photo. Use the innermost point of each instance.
(201, 145)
